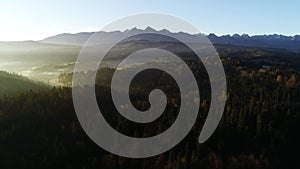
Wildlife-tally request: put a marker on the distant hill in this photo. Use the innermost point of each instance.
(290, 43)
(13, 83)
(68, 39)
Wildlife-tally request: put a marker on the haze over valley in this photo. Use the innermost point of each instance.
(45, 60)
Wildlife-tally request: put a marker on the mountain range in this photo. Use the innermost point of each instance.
(281, 42)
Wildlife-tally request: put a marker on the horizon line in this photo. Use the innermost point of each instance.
(158, 30)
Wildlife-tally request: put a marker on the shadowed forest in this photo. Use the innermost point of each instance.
(259, 127)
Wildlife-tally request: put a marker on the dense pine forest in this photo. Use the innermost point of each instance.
(259, 128)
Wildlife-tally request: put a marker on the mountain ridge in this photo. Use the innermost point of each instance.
(276, 41)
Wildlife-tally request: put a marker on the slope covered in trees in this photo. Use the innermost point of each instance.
(13, 83)
(259, 128)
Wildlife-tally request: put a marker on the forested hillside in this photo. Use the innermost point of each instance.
(259, 128)
(12, 83)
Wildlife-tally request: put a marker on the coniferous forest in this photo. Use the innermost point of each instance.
(259, 128)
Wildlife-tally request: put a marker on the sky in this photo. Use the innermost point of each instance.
(35, 19)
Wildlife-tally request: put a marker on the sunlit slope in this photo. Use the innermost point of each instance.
(13, 83)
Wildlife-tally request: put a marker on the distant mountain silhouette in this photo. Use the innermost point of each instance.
(108, 37)
(290, 43)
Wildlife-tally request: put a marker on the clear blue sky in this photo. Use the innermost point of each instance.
(37, 19)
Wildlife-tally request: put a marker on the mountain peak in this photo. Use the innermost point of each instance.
(296, 38)
(149, 29)
(165, 31)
